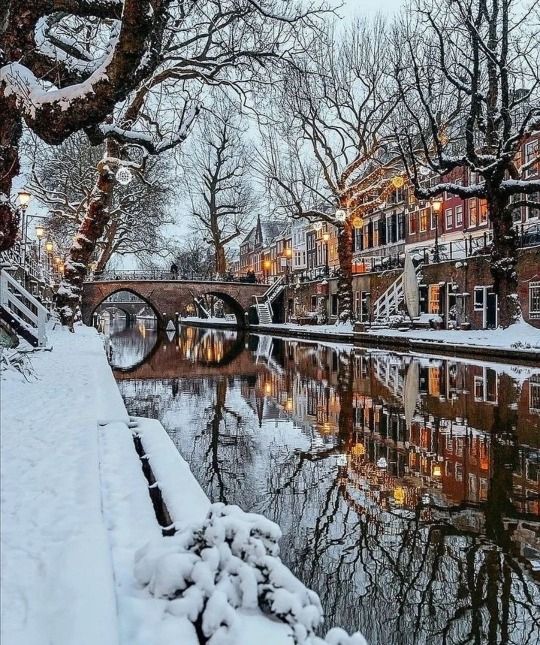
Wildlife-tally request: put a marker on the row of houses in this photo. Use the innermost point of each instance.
(447, 229)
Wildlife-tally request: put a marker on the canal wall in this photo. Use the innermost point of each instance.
(433, 343)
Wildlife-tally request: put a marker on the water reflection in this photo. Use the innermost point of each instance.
(407, 488)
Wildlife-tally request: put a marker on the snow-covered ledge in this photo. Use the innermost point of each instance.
(85, 559)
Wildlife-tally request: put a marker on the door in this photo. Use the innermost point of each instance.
(491, 310)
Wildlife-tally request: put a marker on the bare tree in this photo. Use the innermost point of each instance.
(332, 162)
(205, 44)
(468, 78)
(63, 179)
(64, 65)
(218, 183)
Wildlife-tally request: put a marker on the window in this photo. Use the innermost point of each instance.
(534, 299)
(459, 215)
(531, 153)
(364, 306)
(423, 220)
(479, 296)
(433, 218)
(534, 394)
(449, 218)
(533, 212)
(357, 303)
(412, 223)
(473, 213)
(482, 211)
(334, 305)
(434, 299)
(479, 388)
(313, 303)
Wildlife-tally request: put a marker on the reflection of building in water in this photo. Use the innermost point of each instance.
(434, 430)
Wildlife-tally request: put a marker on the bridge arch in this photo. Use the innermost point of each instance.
(132, 290)
(233, 304)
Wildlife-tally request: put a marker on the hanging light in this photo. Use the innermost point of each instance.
(357, 222)
(341, 215)
(398, 181)
(40, 231)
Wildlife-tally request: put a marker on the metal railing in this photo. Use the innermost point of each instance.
(14, 259)
(160, 275)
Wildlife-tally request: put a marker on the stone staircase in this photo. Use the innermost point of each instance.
(21, 311)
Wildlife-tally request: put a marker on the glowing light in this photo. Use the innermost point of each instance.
(40, 231)
(49, 246)
(358, 449)
(437, 472)
(268, 388)
(436, 205)
(24, 198)
(357, 222)
(326, 236)
(398, 181)
(399, 495)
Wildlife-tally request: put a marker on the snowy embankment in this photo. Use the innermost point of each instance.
(84, 555)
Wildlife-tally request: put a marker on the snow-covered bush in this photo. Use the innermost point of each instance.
(228, 562)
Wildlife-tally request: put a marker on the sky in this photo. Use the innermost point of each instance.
(353, 8)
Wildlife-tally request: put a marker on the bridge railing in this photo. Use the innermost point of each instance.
(158, 274)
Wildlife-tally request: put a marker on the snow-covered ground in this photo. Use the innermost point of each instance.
(57, 583)
(520, 336)
(83, 557)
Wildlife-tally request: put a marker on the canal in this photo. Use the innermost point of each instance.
(407, 488)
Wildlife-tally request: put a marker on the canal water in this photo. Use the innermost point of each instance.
(407, 488)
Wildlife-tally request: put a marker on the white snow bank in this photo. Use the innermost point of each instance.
(230, 562)
(520, 335)
(57, 584)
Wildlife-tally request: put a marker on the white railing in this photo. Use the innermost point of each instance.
(272, 293)
(389, 301)
(24, 308)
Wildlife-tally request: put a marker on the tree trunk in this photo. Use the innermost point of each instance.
(221, 263)
(107, 249)
(504, 259)
(90, 232)
(345, 295)
(10, 134)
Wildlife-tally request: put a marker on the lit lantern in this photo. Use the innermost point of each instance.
(398, 181)
(357, 222)
(358, 449)
(49, 246)
(24, 198)
(40, 231)
(437, 472)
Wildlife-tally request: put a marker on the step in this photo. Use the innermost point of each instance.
(20, 327)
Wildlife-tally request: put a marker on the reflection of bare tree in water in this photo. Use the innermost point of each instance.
(223, 447)
(422, 576)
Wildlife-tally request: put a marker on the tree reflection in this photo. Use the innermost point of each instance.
(433, 546)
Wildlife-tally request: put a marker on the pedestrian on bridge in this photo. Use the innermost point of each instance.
(174, 271)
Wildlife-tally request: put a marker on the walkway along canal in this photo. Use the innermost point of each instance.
(407, 488)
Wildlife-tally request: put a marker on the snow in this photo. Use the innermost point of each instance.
(55, 552)
(84, 559)
(520, 336)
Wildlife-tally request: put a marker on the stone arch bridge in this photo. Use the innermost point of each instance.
(168, 297)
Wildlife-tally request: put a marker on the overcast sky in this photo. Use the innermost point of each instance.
(352, 8)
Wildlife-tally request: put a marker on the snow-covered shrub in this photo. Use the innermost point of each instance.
(228, 562)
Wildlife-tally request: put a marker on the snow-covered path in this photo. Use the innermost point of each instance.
(54, 543)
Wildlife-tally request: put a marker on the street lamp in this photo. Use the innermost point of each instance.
(24, 198)
(288, 252)
(49, 246)
(40, 232)
(436, 206)
(326, 238)
(267, 266)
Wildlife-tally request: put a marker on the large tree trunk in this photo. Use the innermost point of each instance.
(221, 263)
(10, 134)
(345, 295)
(107, 250)
(504, 260)
(90, 232)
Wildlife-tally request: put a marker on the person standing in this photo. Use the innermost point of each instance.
(174, 271)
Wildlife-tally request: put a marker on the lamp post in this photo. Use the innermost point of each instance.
(266, 268)
(436, 206)
(49, 246)
(288, 257)
(24, 199)
(40, 232)
(326, 238)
